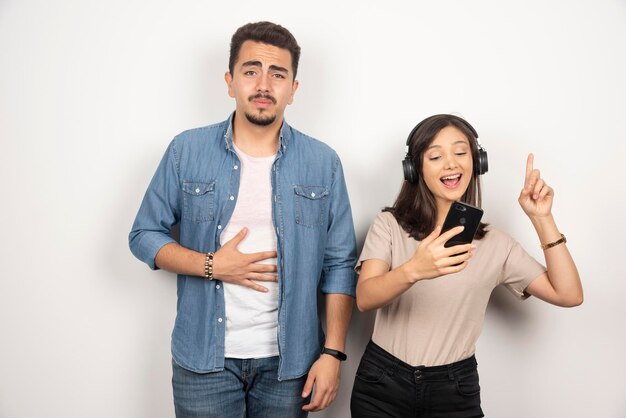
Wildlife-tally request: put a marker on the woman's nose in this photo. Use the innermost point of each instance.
(450, 162)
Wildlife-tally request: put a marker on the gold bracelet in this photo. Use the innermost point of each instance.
(208, 266)
(561, 240)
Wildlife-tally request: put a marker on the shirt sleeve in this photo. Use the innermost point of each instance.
(519, 270)
(340, 252)
(377, 242)
(159, 211)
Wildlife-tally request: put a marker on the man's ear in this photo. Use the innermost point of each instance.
(228, 77)
(294, 87)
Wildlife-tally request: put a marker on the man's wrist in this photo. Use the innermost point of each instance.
(208, 266)
(334, 353)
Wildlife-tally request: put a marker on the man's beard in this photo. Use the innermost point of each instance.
(260, 120)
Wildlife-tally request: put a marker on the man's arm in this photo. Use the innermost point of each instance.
(338, 284)
(150, 239)
(325, 372)
(229, 265)
(159, 211)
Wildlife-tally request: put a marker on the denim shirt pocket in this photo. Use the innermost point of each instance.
(310, 205)
(199, 200)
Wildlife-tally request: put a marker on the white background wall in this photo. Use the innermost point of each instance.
(91, 93)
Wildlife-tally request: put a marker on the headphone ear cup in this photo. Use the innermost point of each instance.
(410, 174)
(482, 162)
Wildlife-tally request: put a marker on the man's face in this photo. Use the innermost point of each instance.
(262, 82)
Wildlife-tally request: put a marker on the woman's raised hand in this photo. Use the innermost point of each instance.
(536, 196)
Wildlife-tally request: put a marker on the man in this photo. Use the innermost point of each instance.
(265, 222)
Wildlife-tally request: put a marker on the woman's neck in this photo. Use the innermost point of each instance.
(443, 206)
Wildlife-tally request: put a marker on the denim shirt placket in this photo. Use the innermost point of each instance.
(223, 218)
(277, 218)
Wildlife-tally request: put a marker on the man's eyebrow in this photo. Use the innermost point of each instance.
(259, 64)
(277, 68)
(251, 64)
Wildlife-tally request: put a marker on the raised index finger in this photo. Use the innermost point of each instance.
(529, 168)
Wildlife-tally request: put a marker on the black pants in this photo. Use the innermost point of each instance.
(385, 386)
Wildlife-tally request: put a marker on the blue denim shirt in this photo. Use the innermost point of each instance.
(196, 186)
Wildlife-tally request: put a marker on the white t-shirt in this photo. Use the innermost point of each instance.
(252, 316)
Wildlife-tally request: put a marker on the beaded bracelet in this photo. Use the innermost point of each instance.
(208, 266)
(561, 240)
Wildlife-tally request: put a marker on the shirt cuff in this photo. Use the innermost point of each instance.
(149, 245)
(339, 281)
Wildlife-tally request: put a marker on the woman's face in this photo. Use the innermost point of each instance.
(448, 166)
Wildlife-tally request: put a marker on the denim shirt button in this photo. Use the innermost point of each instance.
(219, 319)
(217, 286)
(232, 198)
(235, 167)
(219, 227)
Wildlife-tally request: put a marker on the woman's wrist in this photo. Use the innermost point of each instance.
(408, 273)
(544, 222)
(546, 228)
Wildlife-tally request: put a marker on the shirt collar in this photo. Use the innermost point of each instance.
(283, 138)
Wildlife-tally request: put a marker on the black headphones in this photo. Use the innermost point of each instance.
(411, 173)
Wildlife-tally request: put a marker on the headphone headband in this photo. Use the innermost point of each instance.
(411, 173)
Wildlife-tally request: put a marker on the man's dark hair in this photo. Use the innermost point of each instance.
(267, 33)
(415, 208)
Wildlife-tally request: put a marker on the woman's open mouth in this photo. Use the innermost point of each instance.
(451, 181)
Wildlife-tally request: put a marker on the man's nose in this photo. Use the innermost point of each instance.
(263, 83)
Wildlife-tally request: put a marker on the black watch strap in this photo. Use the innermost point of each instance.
(335, 353)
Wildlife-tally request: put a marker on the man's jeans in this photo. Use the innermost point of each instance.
(245, 388)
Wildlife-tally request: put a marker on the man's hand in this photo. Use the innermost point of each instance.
(324, 376)
(232, 266)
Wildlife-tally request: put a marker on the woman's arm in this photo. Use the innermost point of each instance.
(560, 285)
(377, 285)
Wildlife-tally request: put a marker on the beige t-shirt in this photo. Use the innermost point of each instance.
(438, 321)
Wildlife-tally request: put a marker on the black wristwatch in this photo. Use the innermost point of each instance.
(335, 353)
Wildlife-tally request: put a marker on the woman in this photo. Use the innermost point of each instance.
(431, 300)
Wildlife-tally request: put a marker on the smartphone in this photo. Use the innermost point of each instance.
(462, 214)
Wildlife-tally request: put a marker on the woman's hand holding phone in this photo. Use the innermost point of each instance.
(432, 259)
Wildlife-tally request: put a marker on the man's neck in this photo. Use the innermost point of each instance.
(256, 140)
